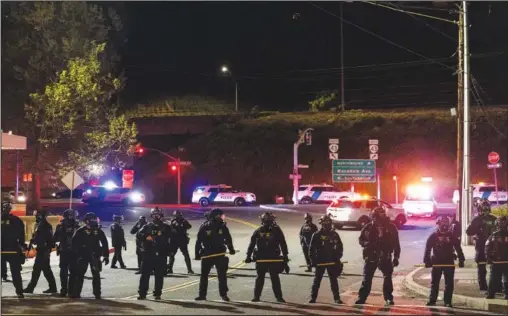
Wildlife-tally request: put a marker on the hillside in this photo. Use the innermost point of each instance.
(256, 154)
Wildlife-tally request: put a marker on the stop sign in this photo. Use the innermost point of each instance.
(493, 157)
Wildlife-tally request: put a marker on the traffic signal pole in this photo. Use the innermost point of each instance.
(179, 181)
(301, 140)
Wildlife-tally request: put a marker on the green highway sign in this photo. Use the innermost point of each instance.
(354, 170)
(355, 179)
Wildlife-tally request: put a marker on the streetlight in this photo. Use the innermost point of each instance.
(226, 70)
(396, 189)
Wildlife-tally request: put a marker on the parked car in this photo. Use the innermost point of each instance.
(10, 194)
(65, 194)
(102, 194)
(356, 212)
(221, 194)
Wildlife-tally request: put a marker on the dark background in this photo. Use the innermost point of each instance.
(283, 53)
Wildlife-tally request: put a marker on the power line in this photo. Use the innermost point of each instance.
(412, 12)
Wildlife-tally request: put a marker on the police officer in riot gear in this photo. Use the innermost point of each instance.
(89, 243)
(118, 241)
(154, 238)
(325, 252)
(268, 243)
(381, 250)
(43, 238)
(63, 236)
(443, 245)
(13, 245)
(308, 229)
(481, 227)
(180, 241)
(212, 240)
(496, 251)
(455, 227)
(140, 223)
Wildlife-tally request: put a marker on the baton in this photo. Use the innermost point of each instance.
(214, 255)
(269, 260)
(9, 252)
(438, 265)
(323, 264)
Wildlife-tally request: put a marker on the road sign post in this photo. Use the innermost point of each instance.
(493, 158)
(179, 163)
(333, 148)
(303, 137)
(374, 155)
(72, 180)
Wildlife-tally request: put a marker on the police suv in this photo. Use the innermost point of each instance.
(356, 212)
(320, 193)
(221, 194)
(485, 191)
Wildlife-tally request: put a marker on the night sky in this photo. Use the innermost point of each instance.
(283, 53)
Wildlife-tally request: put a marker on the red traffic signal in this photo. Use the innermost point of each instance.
(141, 150)
(173, 168)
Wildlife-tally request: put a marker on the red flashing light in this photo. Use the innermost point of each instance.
(173, 168)
(141, 150)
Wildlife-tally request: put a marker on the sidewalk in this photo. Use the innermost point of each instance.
(466, 290)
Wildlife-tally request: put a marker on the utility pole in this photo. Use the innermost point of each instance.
(460, 109)
(342, 98)
(466, 188)
(303, 137)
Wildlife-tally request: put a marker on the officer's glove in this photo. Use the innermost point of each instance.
(105, 260)
(232, 252)
(285, 259)
(286, 268)
(248, 260)
(461, 264)
(125, 247)
(428, 265)
(198, 257)
(395, 262)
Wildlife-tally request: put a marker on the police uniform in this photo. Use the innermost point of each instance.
(43, 238)
(68, 263)
(380, 241)
(212, 240)
(118, 242)
(308, 229)
(325, 252)
(440, 250)
(154, 238)
(481, 227)
(141, 222)
(180, 241)
(268, 243)
(496, 252)
(13, 246)
(89, 243)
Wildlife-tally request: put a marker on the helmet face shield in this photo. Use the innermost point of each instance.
(443, 224)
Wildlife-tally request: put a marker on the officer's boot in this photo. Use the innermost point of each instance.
(170, 265)
(188, 264)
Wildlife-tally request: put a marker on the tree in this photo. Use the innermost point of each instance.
(322, 100)
(39, 39)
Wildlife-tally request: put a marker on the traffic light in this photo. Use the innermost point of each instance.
(173, 168)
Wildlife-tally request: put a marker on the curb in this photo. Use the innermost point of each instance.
(472, 302)
(277, 209)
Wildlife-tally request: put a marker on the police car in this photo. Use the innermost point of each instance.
(221, 194)
(320, 193)
(419, 202)
(356, 212)
(107, 194)
(485, 191)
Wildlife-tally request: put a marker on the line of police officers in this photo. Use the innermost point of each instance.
(80, 247)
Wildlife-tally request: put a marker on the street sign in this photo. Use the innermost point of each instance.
(182, 163)
(373, 142)
(373, 149)
(333, 156)
(333, 148)
(374, 156)
(292, 176)
(494, 165)
(493, 157)
(333, 141)
(354, 170)
(72, 180)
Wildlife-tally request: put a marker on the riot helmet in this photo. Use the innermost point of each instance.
(40, 215)
(378, 214)
(216, 215)
(267, 219)
(502, 223)
(178, 215)
(156, 214)
(484, 208)
(69, 214)
(443, 223)
(326, 222)
(91, 220)
(6, 207)
(307, 218)
(142, 219)
(117, 218)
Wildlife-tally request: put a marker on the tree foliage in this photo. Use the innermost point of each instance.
(322, 100)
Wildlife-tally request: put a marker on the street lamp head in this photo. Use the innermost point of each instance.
(225, 69)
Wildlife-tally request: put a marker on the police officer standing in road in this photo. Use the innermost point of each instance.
(140, 223)
(325, 252)
(443, 245)
(63, 236)
(118, 241)
(308, 229)
(43, 238)
(180, 241)
(380, 241)
(268, 244)
(154, 238)
(481, 227)
(496, 251)
(13, 245)
(213, 238)
(89, 243)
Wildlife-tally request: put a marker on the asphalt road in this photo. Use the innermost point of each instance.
(119, 287)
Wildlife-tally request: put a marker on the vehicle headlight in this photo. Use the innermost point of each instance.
(88, 191)
(53, 194)
(137, 197)
(21, 199)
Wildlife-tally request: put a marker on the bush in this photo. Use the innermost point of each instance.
(500, 211)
